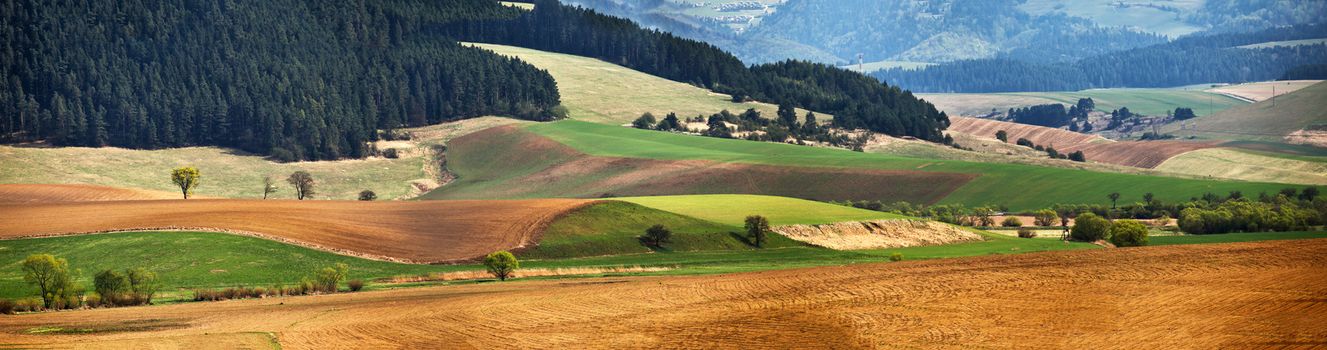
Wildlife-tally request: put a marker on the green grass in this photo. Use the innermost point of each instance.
(611, 228)
(732, 209)
(186, 259)
(1021, 187)
(1234, 237)
(1266, 121)
(1154, 102)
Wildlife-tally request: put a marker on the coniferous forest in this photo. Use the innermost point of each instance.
(314, 82)
(855, 100)
(1189, 60)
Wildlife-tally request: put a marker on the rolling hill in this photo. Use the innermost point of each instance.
(1146, 101)
(1264, 121)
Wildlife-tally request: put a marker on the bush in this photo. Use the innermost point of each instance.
(1012, 221)
(328, 278)
(7, 307)
(94, 301)
(391, 153)
(29, 305)
(1045, 217)
(110, 286)
(1027, 233)
(1128, 233)
(356, 285)
(367, 195)
(646, 121)
(1090, 228)
(896, 256)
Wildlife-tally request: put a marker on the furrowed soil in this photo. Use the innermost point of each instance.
(510, 162)
(1140, 154)
(28, 193)
(416, 232)
(1240, 295)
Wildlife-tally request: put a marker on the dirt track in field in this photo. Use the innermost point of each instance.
(29, 193)
(570, 173)
(417, 231)
(1139, 154)
(1244, 295)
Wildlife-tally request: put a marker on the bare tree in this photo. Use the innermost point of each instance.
(269, 187)
(303, 184)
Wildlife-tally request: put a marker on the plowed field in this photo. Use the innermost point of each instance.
(26, 193)
(1140, 154)
(423, 231)
(1243, 295)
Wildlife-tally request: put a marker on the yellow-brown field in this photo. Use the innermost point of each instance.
(1244, 295)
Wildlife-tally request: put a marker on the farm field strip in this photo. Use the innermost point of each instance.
(1154, 297)
(1147, 101)
(415, 231)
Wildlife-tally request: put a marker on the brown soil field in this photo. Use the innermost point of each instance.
(487, 170)
(31, 193)
(1139, 154)
(1243, 295)
(416, 231)
(878, 234)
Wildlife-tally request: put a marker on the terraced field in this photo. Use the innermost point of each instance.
(510, 162)
(1239, 295)
(417, 231)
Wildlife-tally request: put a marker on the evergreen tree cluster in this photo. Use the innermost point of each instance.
(1188, 60)
(855, 100)
(295, 79)
(1050, 115)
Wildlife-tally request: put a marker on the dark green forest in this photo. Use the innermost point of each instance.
(295, 79)
(855, 100)
(1189, 60)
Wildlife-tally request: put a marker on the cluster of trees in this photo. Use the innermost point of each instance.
(1122, 233)
(1049, 115)
(856, 101)
(1278, 214)
(1188, 60)
(1076, 156)
(1306, 72)
(314, 82)
(751, 125)
(323, 281)
(57, 288)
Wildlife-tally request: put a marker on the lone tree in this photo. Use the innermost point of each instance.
(656, 236)
(1090, 228)
(757, 229)
(50, 275)
(269, 187)
(1114, 196)
(186, 178)
(1128, 233)
(501, 264)
(303, 183)
(1002, 136)
(367, 195)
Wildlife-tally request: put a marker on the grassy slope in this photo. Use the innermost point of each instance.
(733, 209)
(1018, 186)
(1250, 166)
(602, 92)
(1145, 101)
(611, 228)
(1262, 121)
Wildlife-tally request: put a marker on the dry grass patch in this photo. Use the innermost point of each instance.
(878, 234)
(524, 273)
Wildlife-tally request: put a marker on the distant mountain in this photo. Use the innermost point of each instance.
(1035, 31)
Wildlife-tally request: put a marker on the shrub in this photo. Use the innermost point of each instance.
(391, 153)
(329, 277)
(29, 305)
(356, 285)
(7, 307)
(502, 264)
(1090, 228)
(646, 121)
(1012, 221)
(1045, 217)
(94, 301)
(1027, 233)
(142, 285)
(1128, 233)
(896, 256)
(52, 279)
(367, 195)
(110, 286)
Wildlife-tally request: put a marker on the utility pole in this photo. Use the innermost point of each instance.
(861, 64)
(1273, 95)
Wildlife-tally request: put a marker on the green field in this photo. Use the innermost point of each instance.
(732, 209)
(1155, 102)
(611, 228)
(1265, 121)
(1239, 164)
(1021, 187)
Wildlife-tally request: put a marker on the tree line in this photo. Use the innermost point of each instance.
(1189, 60)
(295, 79)
(855, 100)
